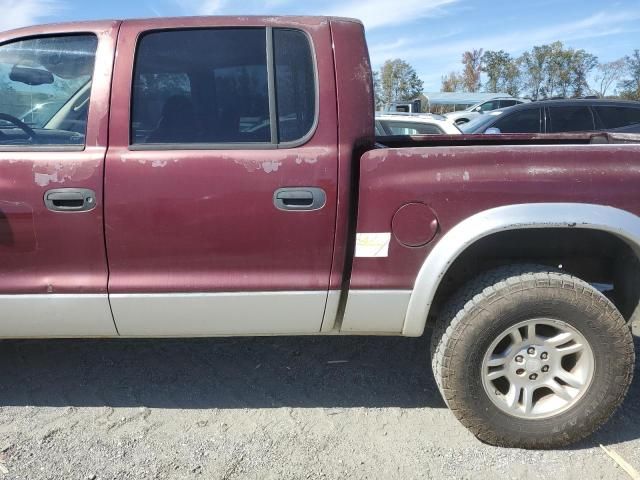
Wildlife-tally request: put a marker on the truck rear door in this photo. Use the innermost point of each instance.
(221, 176)
(54, 100)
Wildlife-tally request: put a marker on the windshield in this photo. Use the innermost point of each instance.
(479, 124)
(44, 89)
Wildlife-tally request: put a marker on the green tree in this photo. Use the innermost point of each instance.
(503, 72)
(472, 62)
(533, 70)
(398, 82)
(377, 91)
(581, 65)
(630, 86)
(512, 78)
(553, 70)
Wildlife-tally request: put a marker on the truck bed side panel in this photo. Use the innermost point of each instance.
(446, 185)
(458, 182)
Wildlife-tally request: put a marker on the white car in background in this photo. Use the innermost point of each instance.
(389, 124)
(464, 116)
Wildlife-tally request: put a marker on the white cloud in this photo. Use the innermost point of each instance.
(381, 13)
(21, 13)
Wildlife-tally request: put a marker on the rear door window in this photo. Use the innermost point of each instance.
(45, 85)
(570, 119)
(201, 86)
(220, 86)
(295, 83)
(152, 92)
(523, 121)
(617, 117)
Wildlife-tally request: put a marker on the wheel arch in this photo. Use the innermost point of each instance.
(619, 223)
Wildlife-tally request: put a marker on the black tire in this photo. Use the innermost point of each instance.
(499, 300)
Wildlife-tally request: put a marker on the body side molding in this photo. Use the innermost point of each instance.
(218, 314)
(56, 315)
(620, 223)
(375, 311)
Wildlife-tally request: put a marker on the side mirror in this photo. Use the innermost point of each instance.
(31, 76)
(492, 131)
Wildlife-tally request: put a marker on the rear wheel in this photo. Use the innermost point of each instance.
(533, 358)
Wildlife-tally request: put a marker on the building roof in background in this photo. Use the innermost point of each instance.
(460, 98)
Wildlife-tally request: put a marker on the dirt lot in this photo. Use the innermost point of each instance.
(257, 408)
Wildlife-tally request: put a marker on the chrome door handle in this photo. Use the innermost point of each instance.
(70, 199)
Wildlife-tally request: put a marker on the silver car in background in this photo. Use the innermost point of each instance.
(389, 124)
(464, 116)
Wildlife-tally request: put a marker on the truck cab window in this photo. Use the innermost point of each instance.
(211, 86)
(45, 85)
(295, 84)
(153, 92)
(201, 86)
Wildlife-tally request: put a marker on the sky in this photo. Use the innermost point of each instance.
(430, 34)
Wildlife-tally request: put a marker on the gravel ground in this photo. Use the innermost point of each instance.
(262, 408)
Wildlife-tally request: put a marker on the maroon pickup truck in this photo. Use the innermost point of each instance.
(220, 176)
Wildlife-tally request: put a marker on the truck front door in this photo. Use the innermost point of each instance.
(54, 100)
(221, 177)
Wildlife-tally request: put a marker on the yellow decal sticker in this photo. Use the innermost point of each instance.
(373, 245)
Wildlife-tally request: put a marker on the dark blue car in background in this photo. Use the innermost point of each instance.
(560, 116)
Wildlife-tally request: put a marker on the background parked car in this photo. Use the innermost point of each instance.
(557, 116)
(475, 111)
(423, 124)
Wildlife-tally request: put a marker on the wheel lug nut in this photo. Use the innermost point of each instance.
(519, 359)
(520, 371)
(533, 376)
(544, 356)
(545, 369)
(531, 351)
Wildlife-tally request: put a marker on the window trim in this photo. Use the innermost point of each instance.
(44, 148)
(59, 147)
(274, 127)
(275, 143)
